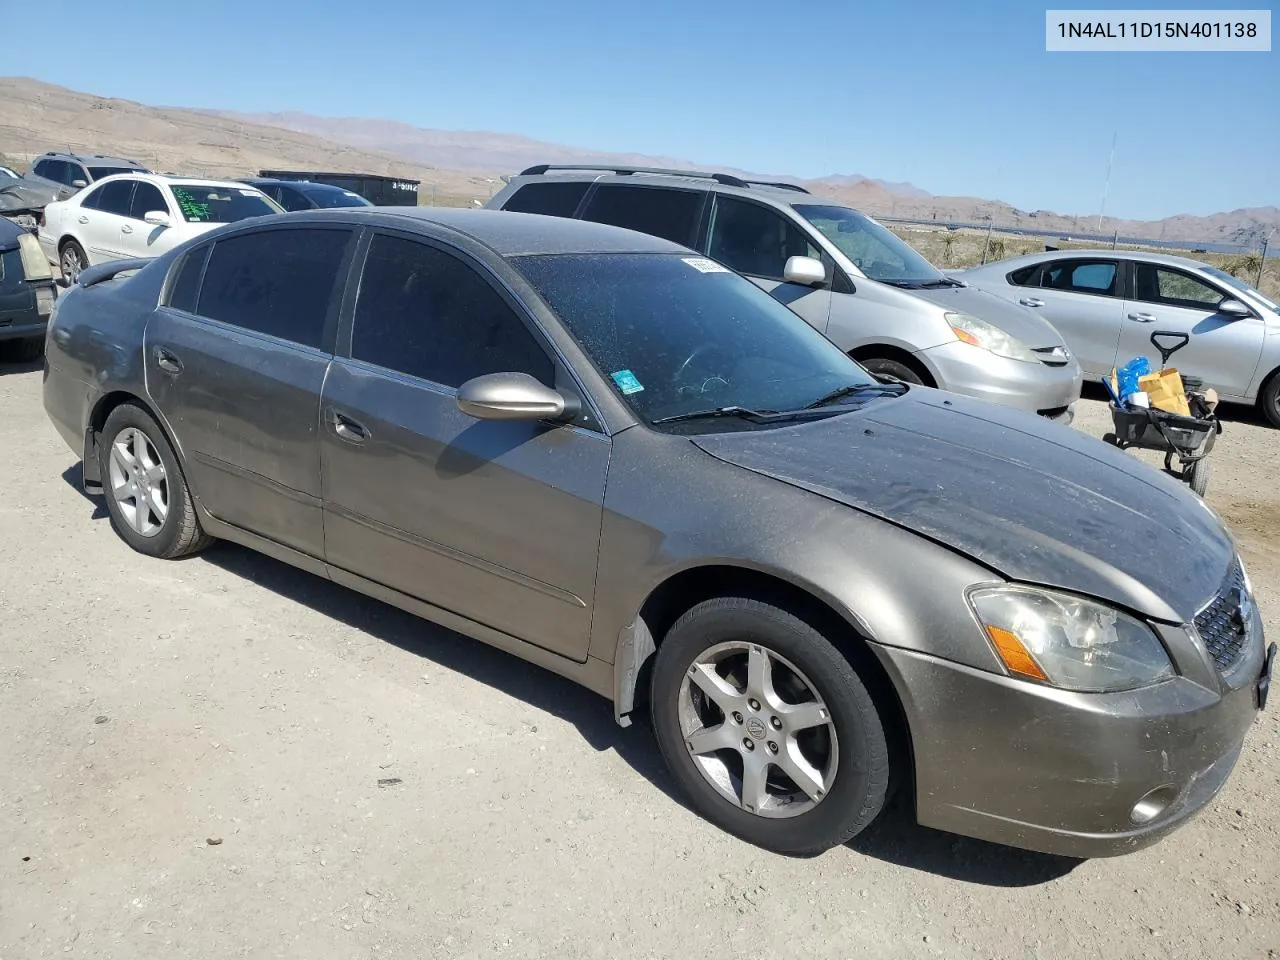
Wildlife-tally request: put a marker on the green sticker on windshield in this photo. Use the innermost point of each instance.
(627, 382)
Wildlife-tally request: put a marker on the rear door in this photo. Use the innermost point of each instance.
(1084, 299)
(756, 241)
(100, 218)
(235, 361)
(1222, 351)
(495, 521)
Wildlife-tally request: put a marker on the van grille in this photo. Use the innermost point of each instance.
(1223, 625)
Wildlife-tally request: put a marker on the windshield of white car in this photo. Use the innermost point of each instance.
(1240, 285)
(877, 252)
(99, 172)
(678, 335)
(205, 204)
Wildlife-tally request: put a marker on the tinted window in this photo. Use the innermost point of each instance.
(115, 197)
(201, 203)
(554, 199)
(186, 285)
(674, 337)
(92, 197)
(147, 198)
(1019, 278)
(291, 199)
(1081, 276)
(45, 168)
(99, 172)
(426, 313)
(329, 197)
(72, 172)
(1164, 285)
(756, 240)
(278, 282)
(670, 214)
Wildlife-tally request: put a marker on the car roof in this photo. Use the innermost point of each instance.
(1104, 253)
(297, 184)
(165, 179)
(511, 234)
(692, 180)
(91, 160)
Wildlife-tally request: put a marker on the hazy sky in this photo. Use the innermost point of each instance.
(958, 98)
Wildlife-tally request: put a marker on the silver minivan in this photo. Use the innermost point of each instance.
(872, 294)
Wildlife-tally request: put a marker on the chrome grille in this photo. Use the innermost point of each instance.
(1223, 625)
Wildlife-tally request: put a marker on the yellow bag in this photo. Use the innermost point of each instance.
(1165, 391)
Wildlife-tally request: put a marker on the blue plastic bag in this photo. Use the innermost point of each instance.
(1128, 375)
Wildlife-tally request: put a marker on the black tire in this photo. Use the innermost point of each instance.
(25, 350)
(66, 251)
(179, 534)
(892, 368)
(1269, 401)
(1197, 475)
(861, 779)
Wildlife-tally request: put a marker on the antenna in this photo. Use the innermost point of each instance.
(1106, 184)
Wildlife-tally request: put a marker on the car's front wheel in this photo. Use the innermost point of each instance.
(1269, 401)
(146, 493)
(767, 727)
(72, 261)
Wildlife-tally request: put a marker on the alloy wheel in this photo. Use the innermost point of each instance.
(139, 484)
(757, 730)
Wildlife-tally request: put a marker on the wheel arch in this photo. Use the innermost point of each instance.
(97, 420)
(682, 590)
(1263, 386)
(887, 351)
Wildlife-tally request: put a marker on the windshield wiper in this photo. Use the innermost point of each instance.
(940, 282)
(880, 389)
(733, 411)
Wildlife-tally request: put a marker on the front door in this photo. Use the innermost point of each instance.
(1084, 299)
(139, 238)
(1223, 351)
(756, 241)
(498, 522)
(235, 362)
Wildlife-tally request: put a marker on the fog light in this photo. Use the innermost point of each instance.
(1152, 805)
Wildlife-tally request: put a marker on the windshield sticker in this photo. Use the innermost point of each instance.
(627, 382)
(703, 265)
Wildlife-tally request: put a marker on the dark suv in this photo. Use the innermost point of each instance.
(67, 173)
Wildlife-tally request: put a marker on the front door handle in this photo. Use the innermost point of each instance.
(1142, 317)
(350, 430)
(167, 361)
(126, 229)
(1031, 302)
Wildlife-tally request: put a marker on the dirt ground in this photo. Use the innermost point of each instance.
(225, 757)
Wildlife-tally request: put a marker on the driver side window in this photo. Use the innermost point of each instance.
(755, 240)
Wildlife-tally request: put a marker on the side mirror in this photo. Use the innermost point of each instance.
(513, 396)
(1234, 308)
(79, 184)
(804, 270)
(157, 218)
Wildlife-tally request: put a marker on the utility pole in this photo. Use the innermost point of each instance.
(1106, 185)
(1262, 261)
(987, 243)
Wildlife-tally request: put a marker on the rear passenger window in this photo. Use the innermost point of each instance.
(553, 199)
(115, 197)
(426, 313)
(277, 282)
(657, 211)
(1019, 278)
(1081, 276)
(186, 285)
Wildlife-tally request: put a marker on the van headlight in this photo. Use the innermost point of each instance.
(1069, 642)
(981, 333)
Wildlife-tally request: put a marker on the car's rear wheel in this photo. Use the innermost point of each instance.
(882, 366)
(146, 492)
(72, 261)
(767, 727)
(1270, 400)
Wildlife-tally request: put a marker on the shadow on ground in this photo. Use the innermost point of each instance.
(894, 838)
(27, 366)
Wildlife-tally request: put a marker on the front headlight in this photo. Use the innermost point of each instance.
(1069, 642)
(989, 337)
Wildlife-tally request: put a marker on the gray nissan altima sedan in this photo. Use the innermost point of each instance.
(614, 458)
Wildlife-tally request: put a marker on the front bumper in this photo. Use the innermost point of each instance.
(1036, 387)
(1030, 766)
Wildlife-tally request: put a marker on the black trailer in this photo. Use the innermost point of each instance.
(380, 191)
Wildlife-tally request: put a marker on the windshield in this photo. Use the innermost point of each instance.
(336, 197)
(877, 252)
(99, 172)
(1239, 285)
(680, 334)
(225, 204)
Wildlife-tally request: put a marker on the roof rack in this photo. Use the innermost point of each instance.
(728, 179)
(779, 184)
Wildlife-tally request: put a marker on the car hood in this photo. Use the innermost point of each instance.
(1029, 327)
(1035, 501)
(22, 195)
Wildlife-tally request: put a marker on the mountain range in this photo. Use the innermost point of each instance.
(460, 166)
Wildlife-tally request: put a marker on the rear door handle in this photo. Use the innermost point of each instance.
(126, 229)
(83, 219)
(1031, 302)
(167, 361)
(348, 429)
(1142, 317)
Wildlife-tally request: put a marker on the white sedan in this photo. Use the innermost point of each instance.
(133, 215)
